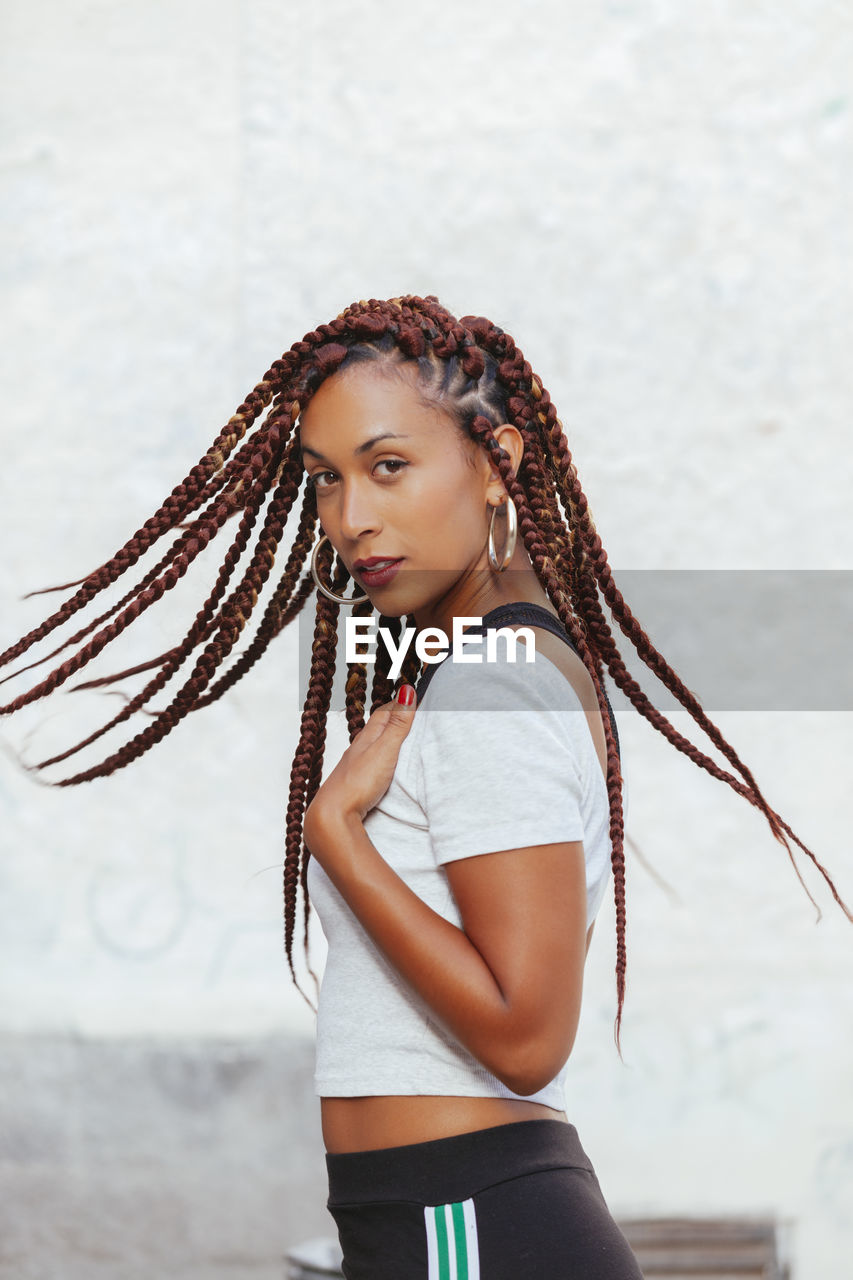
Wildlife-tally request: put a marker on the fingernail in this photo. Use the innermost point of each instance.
(405, 695)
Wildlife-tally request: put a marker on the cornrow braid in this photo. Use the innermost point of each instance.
(475, 372)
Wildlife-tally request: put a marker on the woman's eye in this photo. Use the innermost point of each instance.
(322, 480)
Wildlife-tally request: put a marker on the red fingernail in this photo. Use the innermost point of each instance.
(406, 695)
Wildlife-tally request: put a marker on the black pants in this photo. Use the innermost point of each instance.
(515, 1202)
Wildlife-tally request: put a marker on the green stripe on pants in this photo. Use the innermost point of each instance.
(441, 1238)
(461, 1242)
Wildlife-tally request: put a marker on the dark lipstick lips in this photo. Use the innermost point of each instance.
(374, 560)
(378, 576)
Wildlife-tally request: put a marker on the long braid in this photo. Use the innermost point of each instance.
(382, 688)
(550, 555)
(356, 685)
(287, 602)
(304, 774)
(314, 779)
(411, 668)
(544, 566)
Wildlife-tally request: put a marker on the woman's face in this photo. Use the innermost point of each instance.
(396, 480)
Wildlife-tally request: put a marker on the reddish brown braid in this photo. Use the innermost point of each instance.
(475, 371)
(308, 759)
(356, 684)
(546, 570)
(287, 602)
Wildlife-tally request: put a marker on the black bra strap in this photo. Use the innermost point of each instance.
(533, 615)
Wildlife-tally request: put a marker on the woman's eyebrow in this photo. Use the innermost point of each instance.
(362, 448)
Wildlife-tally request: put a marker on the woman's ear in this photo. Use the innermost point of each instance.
(510, 439)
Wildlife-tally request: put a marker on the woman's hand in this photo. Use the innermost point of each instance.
(364, 772)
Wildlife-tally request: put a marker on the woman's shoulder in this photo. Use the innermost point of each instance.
(513, 765)
(543, 706)
(505, 678)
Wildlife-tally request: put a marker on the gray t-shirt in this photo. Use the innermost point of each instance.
(500, 756)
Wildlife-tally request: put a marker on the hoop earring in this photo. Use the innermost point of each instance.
(511, 535)
(321, 586)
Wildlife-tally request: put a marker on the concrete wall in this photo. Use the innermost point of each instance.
(130, 1156)
(656, 199)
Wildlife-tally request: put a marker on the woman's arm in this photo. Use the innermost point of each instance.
(508, 984)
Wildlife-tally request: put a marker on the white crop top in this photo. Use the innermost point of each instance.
(500, 756)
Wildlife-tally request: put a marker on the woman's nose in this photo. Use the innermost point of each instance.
(359, 517)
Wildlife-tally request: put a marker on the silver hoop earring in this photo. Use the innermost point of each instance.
(511, 535)
(321, 586)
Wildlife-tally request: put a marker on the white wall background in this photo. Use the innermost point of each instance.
(656, 199)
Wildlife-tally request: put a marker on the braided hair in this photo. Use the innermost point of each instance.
(474, 371)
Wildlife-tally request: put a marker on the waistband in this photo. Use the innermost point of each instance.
(456, 1168)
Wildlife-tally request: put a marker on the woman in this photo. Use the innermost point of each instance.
(460, 849)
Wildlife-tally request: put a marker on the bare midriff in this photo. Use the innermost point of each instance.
(371, 1123)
